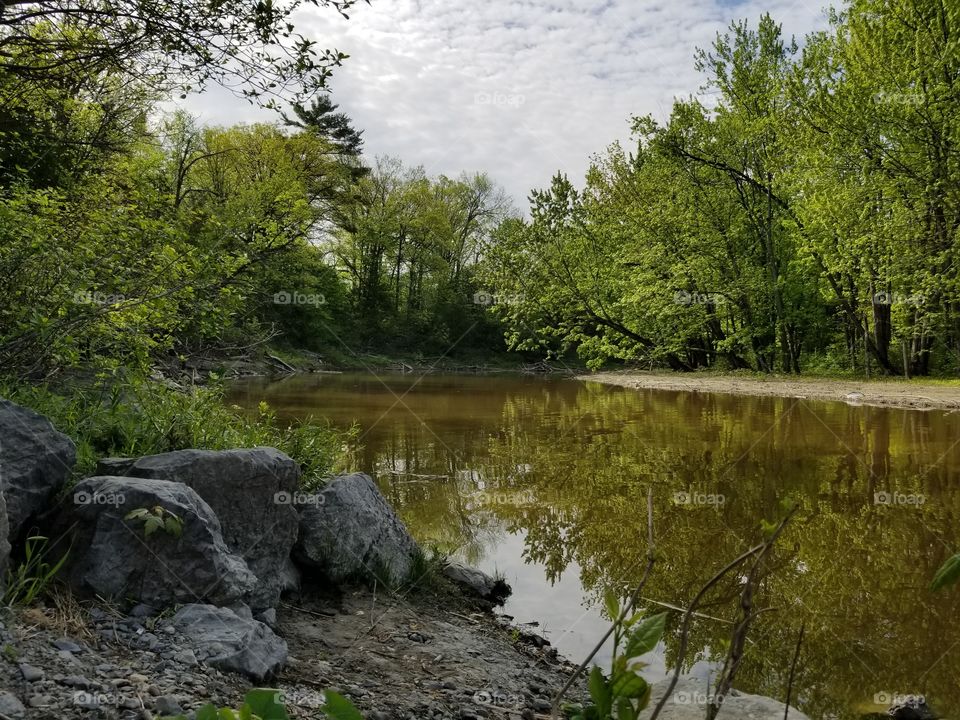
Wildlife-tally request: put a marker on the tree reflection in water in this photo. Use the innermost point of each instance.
(566, 465)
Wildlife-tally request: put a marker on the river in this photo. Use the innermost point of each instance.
(544, 480)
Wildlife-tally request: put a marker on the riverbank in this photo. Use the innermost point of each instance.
(395, 657)
(275, 361)
(913, 394)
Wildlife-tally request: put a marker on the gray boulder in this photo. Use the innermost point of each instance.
(35, 460)
(224, 640)
(348, 532)
(476, 582)
(252, 492)
(689, 701)
(111, 556)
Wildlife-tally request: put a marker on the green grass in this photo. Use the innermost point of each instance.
(131, 416)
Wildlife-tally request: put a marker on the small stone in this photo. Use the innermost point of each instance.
(30, 673)
(137, 678)
(36, 701)
(142, 611)
(167, 705)
(67, 645)
(10, 706)
(268, 617)
(185, 657)
(76, 681)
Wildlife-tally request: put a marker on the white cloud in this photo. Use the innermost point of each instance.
(516, 88)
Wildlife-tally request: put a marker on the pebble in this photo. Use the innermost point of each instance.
(30, 673)
(167, 705)
(67, 645)
(36, 701)
(11, 706)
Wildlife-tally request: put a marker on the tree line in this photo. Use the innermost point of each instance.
(799, 213)
(128, 233)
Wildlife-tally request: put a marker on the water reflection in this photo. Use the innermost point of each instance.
(545, 480)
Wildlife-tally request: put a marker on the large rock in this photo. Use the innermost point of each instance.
(477, 583)
(222, 639)
(349, 532)
(252, 492)
(689, 702)
(35, 460)
(111, 556)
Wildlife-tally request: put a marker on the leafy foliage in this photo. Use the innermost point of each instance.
(253, 48)
(624, 694)
(156, 518)
(805, 216)
(132, 417)
(267, 704)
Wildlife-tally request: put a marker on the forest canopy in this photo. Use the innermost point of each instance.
(800, 212)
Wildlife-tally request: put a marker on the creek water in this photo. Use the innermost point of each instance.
(545, 481)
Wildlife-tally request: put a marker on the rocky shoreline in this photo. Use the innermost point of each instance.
(192, 576)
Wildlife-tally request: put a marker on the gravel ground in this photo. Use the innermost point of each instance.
(396, 658)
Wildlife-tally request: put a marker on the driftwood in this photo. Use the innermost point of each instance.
(284, 365)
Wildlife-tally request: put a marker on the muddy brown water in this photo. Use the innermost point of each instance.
(544, 480)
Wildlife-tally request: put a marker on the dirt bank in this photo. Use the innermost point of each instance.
(397, 658)
(889, 393)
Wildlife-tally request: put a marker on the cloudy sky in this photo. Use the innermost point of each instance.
(516, 88)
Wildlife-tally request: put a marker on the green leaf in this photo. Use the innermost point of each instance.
(266, 703)
(338, 707)
(599, 691)
(625, 709)
(173, 525)
(629, 685)
(207, 712)
(646, 635)
(948, 574)
(612, 604)
(151, 525)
